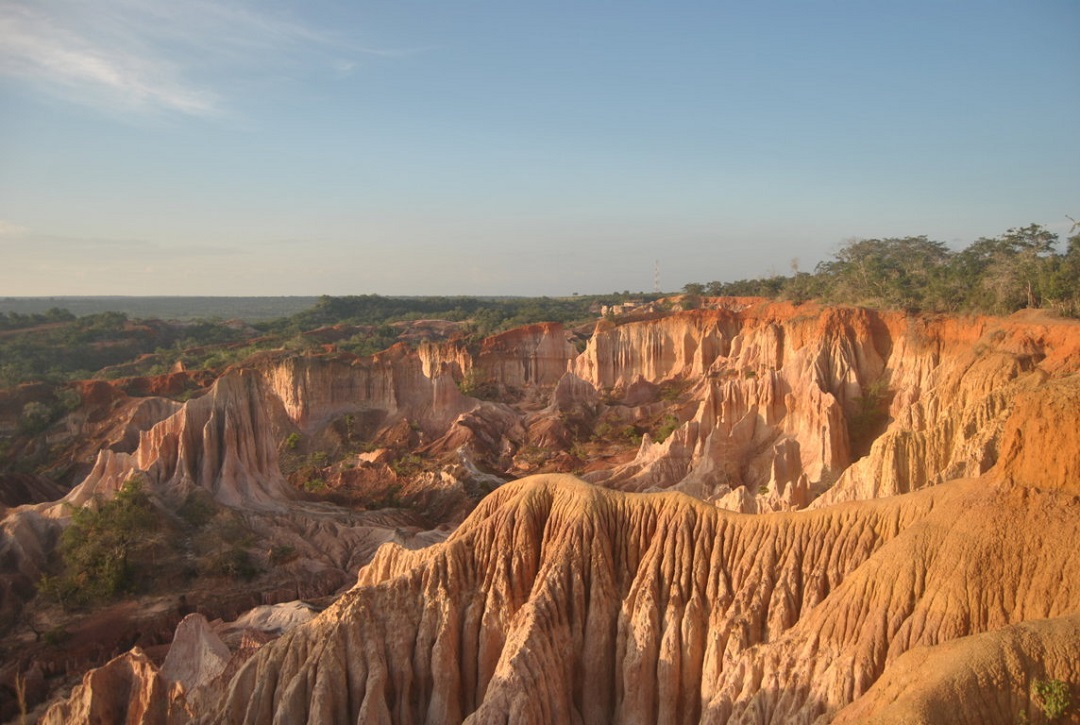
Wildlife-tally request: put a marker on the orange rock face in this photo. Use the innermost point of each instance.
(129, 689)
(773, 406)
(561, 602)
(939, 458)
(784, 399)
(535, 355)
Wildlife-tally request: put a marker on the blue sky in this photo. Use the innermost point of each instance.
(279, 148)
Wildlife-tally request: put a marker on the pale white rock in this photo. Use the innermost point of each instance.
(197, 655)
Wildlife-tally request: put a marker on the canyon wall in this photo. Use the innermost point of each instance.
(784, 399)
(939, 458)
(956, 384)
(224, 442)
(771, 405)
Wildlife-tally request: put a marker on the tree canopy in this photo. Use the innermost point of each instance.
(999, 275)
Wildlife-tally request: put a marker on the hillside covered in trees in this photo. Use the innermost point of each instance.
(1021, 268)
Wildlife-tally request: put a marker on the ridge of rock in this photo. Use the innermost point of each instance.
(561, 602)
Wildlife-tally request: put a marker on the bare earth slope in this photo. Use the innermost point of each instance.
(561, 602)
(978, 679)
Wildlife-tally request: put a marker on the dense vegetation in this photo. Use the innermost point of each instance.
(1020, 268)
(106, 549)
(57, 346)
(21, 321)
(130, 543)
(486, 314)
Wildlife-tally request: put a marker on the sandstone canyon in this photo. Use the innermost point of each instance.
(752, 512)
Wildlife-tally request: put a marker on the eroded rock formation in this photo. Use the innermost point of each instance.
(562, 602)
(565, 601)
(770, 404)
(783, 399)
(129, 689)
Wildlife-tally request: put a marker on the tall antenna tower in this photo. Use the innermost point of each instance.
(656, 278)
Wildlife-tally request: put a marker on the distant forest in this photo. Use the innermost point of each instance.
(56, 345)
(1000, 275)
(486, 315)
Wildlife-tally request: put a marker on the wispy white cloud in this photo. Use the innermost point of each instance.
(158, 55)
(344, 67)
(82, 59)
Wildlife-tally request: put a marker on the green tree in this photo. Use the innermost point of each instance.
(884, 272)
(35, 418)
(1017, 269)
(1053, 696)
(103, 548)
(1057, 278)
(1011, 271)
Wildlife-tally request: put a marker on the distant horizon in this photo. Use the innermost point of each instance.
(272, 149)
(1063, 230)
